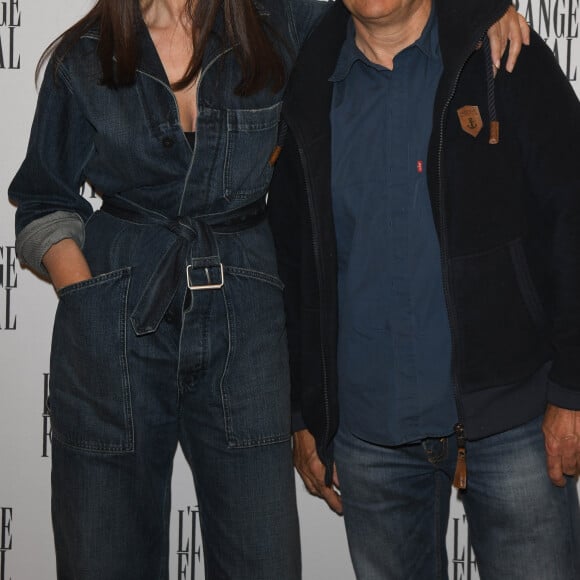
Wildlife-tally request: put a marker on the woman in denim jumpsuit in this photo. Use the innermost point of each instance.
(179, 334)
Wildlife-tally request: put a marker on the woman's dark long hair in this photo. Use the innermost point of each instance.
(118, 21)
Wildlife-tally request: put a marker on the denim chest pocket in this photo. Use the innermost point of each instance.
(251, 138)
(90, 403)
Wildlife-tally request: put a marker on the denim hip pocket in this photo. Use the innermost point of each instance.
(90, 403)
(255, 386)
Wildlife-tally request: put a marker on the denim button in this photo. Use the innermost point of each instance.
(168, 142)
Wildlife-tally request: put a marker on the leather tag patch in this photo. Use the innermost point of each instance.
(470, 119)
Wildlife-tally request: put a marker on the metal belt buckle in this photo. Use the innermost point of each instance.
(207, 286)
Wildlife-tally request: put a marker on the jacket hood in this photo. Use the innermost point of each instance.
(463, 24)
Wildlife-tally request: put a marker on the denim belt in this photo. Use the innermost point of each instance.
(203, 267)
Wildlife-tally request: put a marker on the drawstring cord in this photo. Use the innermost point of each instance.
(490, 81)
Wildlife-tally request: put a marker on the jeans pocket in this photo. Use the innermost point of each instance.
(89, 384)
(255, 386)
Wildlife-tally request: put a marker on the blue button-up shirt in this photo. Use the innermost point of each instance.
(394, 341)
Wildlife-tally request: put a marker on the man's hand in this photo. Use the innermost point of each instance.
(561, 429)
(312, 470)
(513, 27)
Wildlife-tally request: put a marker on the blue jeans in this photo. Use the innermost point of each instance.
(396, 507)
(212, 377)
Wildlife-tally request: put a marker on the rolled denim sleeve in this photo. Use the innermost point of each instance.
(46, 188)
(38, 236)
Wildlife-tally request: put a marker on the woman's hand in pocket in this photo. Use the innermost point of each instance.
(66, 264)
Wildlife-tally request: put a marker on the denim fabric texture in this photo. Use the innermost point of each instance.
(129, 143)
(213, 377)
(139, 362)
(396, 508)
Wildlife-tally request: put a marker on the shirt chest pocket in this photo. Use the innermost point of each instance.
(251, 138)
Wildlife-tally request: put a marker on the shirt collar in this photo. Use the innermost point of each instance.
(427, 43)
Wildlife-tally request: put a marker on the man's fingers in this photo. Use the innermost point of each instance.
(312, 470)
(316, 486)
(335, 480)
(554, 461)
(561, 429)
(555, 473)
(333, 499)
(309, 483)
(568, 450)
(569, 464)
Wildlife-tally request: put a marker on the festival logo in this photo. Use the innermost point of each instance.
(5, 541)
(91, 195)
(556, 21)
(8, 283)
(188, 545)
(46, 427)
(88, 192)
(10, 20)
(463, 558)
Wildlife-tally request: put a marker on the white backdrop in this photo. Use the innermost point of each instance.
(27, 307)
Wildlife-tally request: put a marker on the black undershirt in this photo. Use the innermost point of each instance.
(190, 136)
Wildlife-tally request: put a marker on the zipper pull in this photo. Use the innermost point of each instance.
(460, 479)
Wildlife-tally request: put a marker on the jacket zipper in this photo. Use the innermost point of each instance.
(460, 479)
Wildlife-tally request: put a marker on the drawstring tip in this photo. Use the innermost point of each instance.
(494, 132)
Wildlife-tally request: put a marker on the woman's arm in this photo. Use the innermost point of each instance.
(512, 26)
(46, 189)
(66, 264)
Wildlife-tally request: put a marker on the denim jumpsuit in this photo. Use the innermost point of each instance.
(179, 337)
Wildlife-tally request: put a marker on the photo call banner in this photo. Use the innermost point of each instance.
(27, 306)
